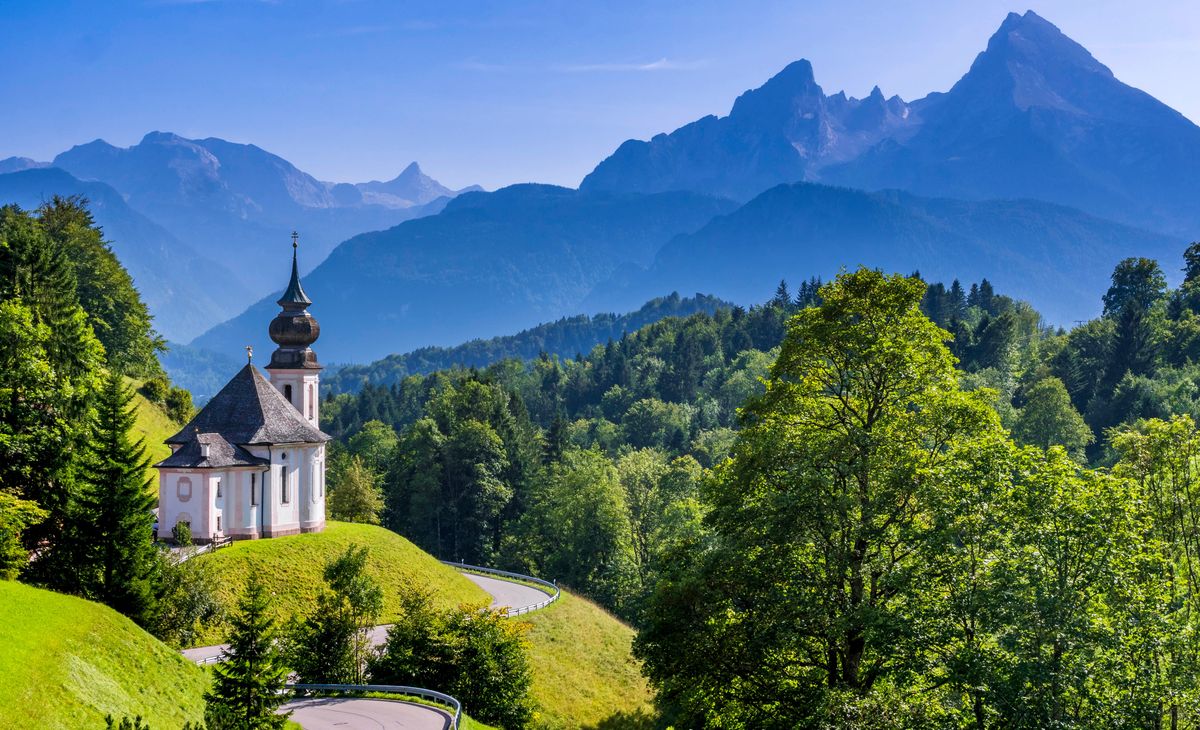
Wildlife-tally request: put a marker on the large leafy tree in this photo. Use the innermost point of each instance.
(333, 643)
(814, 583)
(247, 686)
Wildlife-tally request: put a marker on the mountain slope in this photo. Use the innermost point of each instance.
(564, 338)
(1036, 116)
(185, 290)
(490, 262)
(235, 202)
(68, 662)
(411, 187)
(1054, 257)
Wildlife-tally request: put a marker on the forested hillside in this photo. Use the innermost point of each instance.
(566, 337)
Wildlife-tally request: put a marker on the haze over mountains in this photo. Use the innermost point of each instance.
(230, 205)
(1039, 170)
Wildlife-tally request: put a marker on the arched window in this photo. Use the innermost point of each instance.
(287, 392)
(310, 400)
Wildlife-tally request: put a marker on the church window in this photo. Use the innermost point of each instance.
(219, 488)
(283, 494)
(183, 489)
(310, 400)
(218, 523)
(287, 392)
(253, 489)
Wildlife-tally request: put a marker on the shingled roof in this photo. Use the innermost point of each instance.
(250, 411)
(221, 454)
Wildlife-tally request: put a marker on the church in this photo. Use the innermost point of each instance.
(251, 464)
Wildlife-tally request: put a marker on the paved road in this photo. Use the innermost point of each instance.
(328, 713)
(506, 594)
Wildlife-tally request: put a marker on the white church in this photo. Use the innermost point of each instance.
(251, 464)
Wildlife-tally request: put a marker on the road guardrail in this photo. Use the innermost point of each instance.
(512, 611)
(425, 694)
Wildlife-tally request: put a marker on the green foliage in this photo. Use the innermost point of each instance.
(186, 600)
(354, 494)
(332, 644)
(577, 529)
(1048, 419)
(181, 534)
(110, 550)
(16, 514)
(246, 690)
(476, 655)
(125, 723)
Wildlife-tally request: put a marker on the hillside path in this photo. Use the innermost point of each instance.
(504, 593)
(327, 713)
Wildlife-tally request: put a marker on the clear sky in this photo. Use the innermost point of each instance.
(500, 92)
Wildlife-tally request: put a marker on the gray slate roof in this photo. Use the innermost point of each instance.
(221, 454)
(250, 411)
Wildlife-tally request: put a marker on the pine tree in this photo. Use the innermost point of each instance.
(782, 297)
(111, 525)
(246, 686)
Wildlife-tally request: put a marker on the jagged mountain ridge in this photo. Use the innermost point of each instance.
(1035, 116)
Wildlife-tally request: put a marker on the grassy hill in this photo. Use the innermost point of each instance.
(154, 426)
(583, 668)
(292, 569)
(67, 662)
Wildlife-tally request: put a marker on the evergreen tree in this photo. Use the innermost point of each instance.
(247, 686)
(111, 526)
(782, 298)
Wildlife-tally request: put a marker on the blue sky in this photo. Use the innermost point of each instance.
(500, 92)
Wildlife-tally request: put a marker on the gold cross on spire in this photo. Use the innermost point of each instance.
(294, 237)
(249, 353)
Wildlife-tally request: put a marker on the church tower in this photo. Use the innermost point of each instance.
(294, 370)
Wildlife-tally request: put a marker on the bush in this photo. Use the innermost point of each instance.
(476, 655)
(181, 533)
(155, 390)
(179, 405)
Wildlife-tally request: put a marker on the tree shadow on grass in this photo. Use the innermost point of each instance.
(625, 721)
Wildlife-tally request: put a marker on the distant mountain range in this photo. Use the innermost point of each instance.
(184, 288)
(1036, 116)
(1056, 257)
(489, 263)
(232, 204)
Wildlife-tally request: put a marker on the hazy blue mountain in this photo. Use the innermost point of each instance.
(201, 371)
(185, 290)
(17, 164)
(783, 131)
(1050, 255)
(1036, 116)
(235, 202)
(411, 187)
(566, 337)
(490, 262)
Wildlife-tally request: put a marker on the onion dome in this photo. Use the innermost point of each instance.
(294, 329)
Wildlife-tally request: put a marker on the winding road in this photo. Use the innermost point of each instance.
(335, 713)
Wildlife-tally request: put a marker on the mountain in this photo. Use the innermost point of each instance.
(1036, 116)
(1050, 255)
(237, 203)
(566, 337)
(783, 131)
(17, 164)
(490, 262)
(185, 290)
(411, 187)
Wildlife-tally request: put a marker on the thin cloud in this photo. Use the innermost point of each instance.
(662, 64)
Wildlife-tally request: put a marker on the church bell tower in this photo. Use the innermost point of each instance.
(294, 370)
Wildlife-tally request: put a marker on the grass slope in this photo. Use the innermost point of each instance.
(67, 662)
(153, 426)
(583, 667)
(293, 567)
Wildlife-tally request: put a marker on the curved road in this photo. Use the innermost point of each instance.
(505, 594)
(335, 713)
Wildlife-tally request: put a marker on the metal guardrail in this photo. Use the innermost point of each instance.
(425, 694)
(516, 576)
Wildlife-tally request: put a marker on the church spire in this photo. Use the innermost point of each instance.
(294, 329)
(294, 294)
